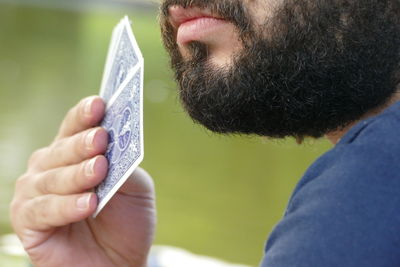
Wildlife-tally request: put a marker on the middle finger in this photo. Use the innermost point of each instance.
(72, 150)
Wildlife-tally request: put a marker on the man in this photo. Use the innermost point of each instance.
(305, 68)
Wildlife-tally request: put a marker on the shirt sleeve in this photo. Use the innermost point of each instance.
(347, 215)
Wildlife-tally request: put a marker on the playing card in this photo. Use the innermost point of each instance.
(122, 91)
(124, 54)
(111, 51)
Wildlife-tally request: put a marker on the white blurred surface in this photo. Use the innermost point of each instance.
(160, 256)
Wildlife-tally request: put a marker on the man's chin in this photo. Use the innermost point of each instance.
(214, 56)
(185, 53)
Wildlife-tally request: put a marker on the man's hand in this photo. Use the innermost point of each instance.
(52, 203)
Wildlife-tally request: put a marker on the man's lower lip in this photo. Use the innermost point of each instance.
(198, 29)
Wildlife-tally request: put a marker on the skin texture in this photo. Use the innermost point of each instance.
(52, 206)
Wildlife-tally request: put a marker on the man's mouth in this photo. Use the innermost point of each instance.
(194, 24)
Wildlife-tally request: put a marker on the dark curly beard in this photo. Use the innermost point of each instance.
(315, 67)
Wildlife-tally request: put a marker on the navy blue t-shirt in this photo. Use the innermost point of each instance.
(345, 211)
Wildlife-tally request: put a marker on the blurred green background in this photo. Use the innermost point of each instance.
(216, 195)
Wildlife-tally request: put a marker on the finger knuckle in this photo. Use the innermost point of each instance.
(46, 183)
(14, 205)
(21, 183)
(56, 151)
(71, 112)
(41, 207)
(30, 214)
(36, 156)
(14, 211)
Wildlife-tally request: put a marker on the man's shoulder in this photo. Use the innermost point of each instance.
(371, 151)
(367, 157)
(370, 148)
(344, 212)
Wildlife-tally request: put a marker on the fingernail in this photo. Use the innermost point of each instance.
(89, 168)
(83, 202)
(90, 138)
(88, 107)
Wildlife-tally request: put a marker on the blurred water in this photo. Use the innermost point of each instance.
(217, 196)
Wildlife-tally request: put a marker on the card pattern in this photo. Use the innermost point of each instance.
(124, 60)
(122, 122)
(122, 91)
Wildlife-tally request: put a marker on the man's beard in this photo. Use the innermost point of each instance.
(315, 67)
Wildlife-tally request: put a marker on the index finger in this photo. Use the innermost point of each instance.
(86, 114)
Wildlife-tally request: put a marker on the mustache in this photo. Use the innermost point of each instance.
(230, 10)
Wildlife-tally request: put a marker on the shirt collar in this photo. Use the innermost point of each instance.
(354, 131)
